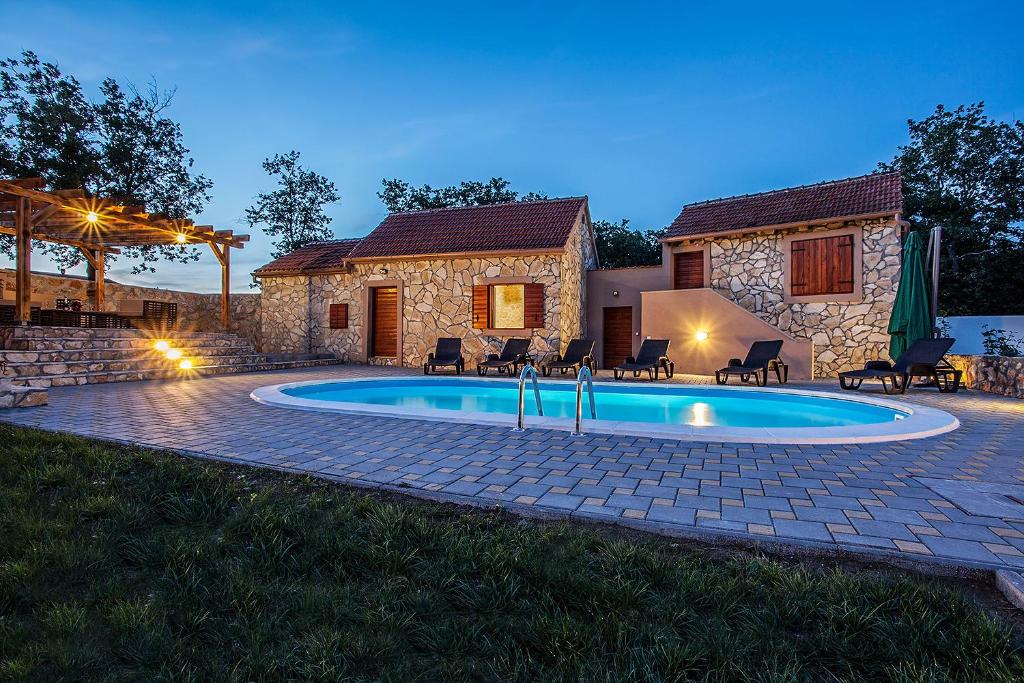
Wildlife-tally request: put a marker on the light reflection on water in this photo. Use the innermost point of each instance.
(684, 405)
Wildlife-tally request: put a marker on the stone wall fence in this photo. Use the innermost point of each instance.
(994, 374)
(196, 311)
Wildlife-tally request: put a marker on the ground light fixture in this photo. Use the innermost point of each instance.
(701, 335)
(162, 345)
(173, 354)
(185, 364)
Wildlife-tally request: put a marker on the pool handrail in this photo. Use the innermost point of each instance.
(584, 374)
(528, 369)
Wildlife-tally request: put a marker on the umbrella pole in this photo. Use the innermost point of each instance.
(935, 244)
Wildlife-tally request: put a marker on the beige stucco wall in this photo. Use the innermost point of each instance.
(749, 270)
(618, 287)
(435, 299)
(199, 312)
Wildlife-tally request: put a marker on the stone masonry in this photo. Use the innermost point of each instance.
(994, 374)
(749, 271)
(436, 297)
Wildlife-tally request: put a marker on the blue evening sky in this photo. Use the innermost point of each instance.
(644, 107)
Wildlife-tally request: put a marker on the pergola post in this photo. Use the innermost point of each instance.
(223, 254)
(225, 289)
(97, 273)
(23, 275)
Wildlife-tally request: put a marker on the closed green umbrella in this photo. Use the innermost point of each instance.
(911, 319)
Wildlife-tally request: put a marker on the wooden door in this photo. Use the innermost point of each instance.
(618, 335)
(688, 269)
(384, 325)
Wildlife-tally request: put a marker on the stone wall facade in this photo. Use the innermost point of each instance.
(198, 312)
(749, 270)
(993, 374)
(435, 300)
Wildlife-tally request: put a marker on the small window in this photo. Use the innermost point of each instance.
(508, 307)
(338, 316)
(822, 266)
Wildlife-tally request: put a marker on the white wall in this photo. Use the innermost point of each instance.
(966, 329)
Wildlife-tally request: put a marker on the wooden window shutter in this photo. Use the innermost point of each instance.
(822, 266)
(689, 270)
(800, 275)
(533, 299)
(481, 306)
(338, 316)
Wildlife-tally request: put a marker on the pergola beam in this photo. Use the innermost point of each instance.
(96, 227)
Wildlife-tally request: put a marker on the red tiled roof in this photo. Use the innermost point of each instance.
(869, 194)
(315, 256)
(534, 226)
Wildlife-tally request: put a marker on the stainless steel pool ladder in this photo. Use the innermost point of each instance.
(584, 374)
(528, 370)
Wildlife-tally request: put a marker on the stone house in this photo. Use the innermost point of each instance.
(816, 265)
(483, 274)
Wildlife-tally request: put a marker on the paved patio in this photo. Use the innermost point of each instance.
(868, 498)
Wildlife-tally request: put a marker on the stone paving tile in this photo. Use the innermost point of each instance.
(856, 496)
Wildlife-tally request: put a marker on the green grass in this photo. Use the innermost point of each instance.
(120, 563)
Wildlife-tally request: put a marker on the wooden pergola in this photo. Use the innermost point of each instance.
(97, 227)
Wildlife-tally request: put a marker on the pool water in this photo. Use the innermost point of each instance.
(674, 405)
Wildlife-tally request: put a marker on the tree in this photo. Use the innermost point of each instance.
(399, 195)
(619, 246)
(121, 147)
(965, 172)
(295, 211)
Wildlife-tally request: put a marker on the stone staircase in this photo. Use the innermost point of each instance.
(45, 357)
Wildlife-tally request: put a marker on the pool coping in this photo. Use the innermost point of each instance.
(921, 421)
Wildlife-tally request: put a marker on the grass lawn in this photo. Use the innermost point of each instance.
(120, 563)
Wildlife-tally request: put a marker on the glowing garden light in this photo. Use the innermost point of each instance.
(162, 345)
(173, 354)
(185, 364)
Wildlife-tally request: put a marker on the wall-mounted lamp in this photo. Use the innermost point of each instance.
(701, 335)
(383, 270)
(615, 292)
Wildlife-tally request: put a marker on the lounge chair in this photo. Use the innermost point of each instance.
(653, 356)
(924, 358)
(579, 353)
(762, 357)
(447, 353)
(516, 352)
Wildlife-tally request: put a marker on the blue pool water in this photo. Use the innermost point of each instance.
(678, 405)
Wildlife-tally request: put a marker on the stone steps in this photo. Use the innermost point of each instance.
(40, 357)
(101, 355)
(77, 379)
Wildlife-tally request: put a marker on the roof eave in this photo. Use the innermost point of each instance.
(459, 254)
(783, 226)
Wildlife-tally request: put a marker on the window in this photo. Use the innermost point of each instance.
(508, 307)
(822, 266)
(338, 316)
(512, 306)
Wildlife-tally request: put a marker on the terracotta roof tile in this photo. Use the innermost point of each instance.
(315, 256)
(869, 194)
(535, 225)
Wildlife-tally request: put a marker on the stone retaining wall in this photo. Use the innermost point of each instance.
(198, 312)
(993, 374)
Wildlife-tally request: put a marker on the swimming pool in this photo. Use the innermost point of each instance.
(743, 414)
